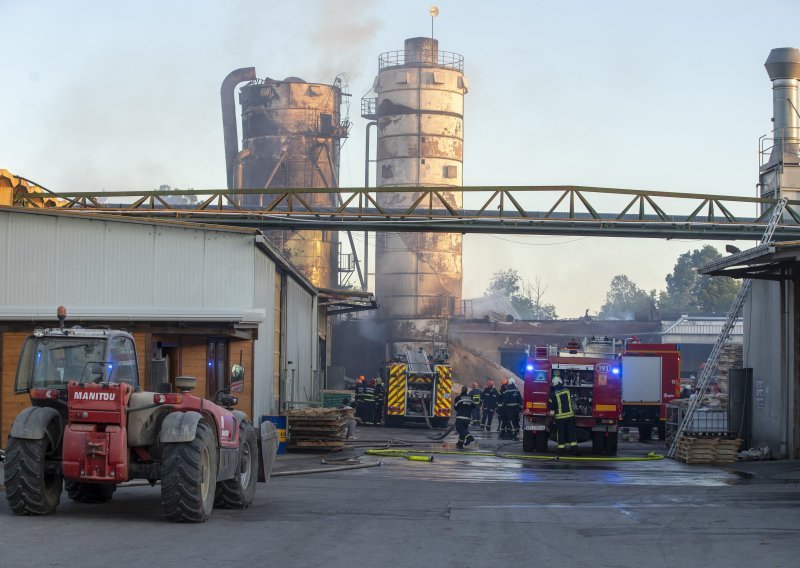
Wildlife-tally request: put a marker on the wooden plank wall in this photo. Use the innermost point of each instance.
(10, 404)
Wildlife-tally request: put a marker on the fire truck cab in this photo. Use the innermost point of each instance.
(591, 372)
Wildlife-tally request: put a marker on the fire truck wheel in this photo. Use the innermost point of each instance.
(33, 486)
(393, 421)
(598, 443)
(238, 492)
(89, 492)
(529, 441)
(662, 431)
(188, 476)
(645, 433)
(440, 422)
(541, 442)
(611, 443)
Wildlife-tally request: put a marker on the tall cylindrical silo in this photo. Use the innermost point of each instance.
(291, 136)
(419, 108)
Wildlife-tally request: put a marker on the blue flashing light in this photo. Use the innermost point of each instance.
(529, 368)
(615, 370)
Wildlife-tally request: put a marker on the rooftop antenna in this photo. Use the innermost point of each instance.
(433, 11)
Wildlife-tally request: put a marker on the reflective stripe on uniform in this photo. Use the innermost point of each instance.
(563, 405)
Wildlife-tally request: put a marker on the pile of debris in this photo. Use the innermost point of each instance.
(709, 400)
(317, 428)
(706, 450)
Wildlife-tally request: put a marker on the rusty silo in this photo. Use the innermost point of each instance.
(418, 104)
(291, 136)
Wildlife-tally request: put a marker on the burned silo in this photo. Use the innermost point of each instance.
(418, 104)
(291, 136)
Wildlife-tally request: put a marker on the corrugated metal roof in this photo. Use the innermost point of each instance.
(689, 326)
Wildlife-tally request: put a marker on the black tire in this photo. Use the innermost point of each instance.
(598, 443)
(541, 442)
(188, 477)
(238, 492)
(645, 433)
(529, 441)
(662, 431)
(32, 488)
(440, 422)
(394, 421)
(89, 492)
(611, 443)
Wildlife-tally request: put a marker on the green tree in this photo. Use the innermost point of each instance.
(525, 296)
(626, 301)
(691, 293)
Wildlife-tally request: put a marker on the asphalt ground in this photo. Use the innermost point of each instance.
(459, 510)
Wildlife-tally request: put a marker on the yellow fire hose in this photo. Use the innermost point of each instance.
(417, 455)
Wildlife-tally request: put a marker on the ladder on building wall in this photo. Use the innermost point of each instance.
(713, 359)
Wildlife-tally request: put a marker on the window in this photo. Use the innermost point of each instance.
(451, 172)
(216, 364)
(386, 171)
(122, 358)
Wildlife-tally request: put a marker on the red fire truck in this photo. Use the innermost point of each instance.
(591, 371)
(651, 380)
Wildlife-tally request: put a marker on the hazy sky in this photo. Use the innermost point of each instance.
(668, 96)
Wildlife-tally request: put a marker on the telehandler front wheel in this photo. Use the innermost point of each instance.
(189, 476)
(32, 474)
(238, 492)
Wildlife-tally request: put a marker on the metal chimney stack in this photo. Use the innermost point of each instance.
(783, 67)
(779, 160)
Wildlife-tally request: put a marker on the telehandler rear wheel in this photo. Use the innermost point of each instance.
(89, 492)
(188, 477)
(238, 492)
(32, 476)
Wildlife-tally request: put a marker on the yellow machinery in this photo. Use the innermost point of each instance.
(418, 389)
(19, 192)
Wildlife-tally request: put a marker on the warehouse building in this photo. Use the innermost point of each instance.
(202, 297)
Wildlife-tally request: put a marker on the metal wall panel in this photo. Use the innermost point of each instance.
(89, 263)
(263, 352)
(301, 340)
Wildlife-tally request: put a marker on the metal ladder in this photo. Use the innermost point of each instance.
(727, 327)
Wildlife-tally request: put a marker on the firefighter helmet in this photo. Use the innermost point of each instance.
(557, 381)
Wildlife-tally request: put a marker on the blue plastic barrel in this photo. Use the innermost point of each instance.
(280, 425)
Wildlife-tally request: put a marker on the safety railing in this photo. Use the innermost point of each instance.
(421, 58)
(786, 142)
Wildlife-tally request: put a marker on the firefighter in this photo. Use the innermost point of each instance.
(369, 403)
(380, 398)
(500, 414)
(463, 406)
(561, 410)
(358, 395)
(476, 395)
(512, 405)
(490, 397)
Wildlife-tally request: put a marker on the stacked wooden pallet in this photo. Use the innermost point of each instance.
(705, 450)
(317, 429)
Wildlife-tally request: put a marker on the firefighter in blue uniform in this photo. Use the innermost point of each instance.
(369, 403)
(490, 396)
(561, 409)
(512, 405)
(463, 406)
(380, 400)
(358, 395)
(476, 395)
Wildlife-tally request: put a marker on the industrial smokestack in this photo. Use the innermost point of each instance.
(229, 133)
(783, 67)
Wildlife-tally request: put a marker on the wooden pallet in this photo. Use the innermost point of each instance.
(321, 429)
(707, 450)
